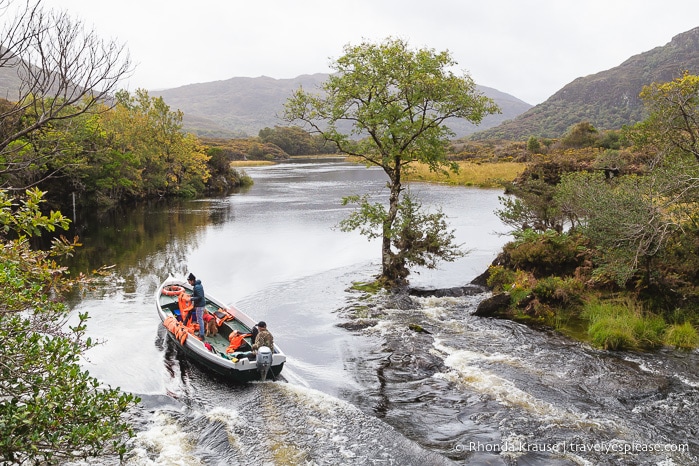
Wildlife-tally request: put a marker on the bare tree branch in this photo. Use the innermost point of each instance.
(63, 70)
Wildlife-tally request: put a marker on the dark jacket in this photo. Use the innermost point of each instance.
(198, 294)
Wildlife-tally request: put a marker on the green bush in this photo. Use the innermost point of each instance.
(52, 410)
(548, 253)
(519, 294)
(499, 277)
(557, 289)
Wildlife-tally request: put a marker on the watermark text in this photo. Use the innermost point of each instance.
(624, 448)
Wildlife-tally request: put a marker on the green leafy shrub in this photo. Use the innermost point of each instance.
(52, 411)
(519, 294)
(521, 287)
(500, 277)
(557, 289)
(548, 253)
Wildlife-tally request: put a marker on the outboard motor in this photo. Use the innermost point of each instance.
(264, 361)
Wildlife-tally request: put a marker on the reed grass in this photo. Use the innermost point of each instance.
(683, 336)
(250, 163)
(622, 324)
(482, 175)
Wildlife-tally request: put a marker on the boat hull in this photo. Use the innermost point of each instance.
(211, 352)
(229, 373)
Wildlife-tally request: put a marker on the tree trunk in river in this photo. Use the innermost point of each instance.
(393, 268)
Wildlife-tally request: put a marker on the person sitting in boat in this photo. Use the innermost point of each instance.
(264, 338)
(253, 335)
(238, 342)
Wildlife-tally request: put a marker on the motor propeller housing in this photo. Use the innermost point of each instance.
(264, 361)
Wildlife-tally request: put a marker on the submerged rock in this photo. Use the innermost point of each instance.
(400, 300)
(418, 328)
(467, 290)
(358, 324)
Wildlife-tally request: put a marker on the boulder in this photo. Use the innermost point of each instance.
(495, 306)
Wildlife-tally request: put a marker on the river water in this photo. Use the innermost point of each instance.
(468, 391)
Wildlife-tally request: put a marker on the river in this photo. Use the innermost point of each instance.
(468, 391)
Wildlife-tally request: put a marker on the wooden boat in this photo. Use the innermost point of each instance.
(239, 366)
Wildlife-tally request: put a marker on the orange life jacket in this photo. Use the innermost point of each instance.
(176, 328)
(184, 301)
(222, 315)
(236, 341)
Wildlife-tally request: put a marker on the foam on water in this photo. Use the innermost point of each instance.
(164, 443)
(273, 423)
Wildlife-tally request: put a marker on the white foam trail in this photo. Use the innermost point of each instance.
(465, 370)
(163, 444)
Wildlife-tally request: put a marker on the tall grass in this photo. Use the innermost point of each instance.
(682, 336)
(484, 175)
(622, 324)
(250, 163)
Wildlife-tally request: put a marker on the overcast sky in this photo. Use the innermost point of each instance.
(527, 48)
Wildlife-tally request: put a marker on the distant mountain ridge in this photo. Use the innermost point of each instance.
(240, 106)
(608, 99)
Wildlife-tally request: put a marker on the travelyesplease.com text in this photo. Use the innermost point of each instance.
(563, 447)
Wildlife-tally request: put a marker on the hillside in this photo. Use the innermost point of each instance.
(608, 99)
(243, 106)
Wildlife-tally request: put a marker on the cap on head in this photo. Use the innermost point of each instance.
(262, 324)
(191, 277)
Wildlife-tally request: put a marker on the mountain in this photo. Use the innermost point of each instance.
(243, 106)
(608, 99)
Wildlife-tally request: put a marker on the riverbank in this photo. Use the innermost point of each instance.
(545, 280)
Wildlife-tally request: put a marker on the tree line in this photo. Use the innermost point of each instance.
(122, 149)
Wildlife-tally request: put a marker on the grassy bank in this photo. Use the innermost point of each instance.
(482, 175)
(250, 163)
(545, 278)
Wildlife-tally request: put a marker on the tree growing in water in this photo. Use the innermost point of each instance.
(396, 102)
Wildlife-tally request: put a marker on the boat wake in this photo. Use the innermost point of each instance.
(271, 423)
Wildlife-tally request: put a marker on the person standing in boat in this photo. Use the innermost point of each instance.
(199, 302)
(263, 338)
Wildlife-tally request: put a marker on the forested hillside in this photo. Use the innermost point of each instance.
(608, 99)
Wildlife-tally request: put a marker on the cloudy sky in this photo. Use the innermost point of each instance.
(527, 48)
